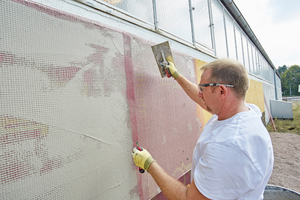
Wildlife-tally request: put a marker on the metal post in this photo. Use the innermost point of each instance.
(192, 23)
(258, 63)
(248, 55)
(243, 49)
(252, 58)
(236, 47)
(226, 37)
(255, 61)
(275, 84)
(155, 15)
(290, 89)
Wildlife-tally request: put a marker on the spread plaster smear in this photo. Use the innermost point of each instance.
(63, 116)
(75, 95)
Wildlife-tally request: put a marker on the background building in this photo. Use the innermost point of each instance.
(79, 86)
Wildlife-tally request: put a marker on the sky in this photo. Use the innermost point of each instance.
(276, 24)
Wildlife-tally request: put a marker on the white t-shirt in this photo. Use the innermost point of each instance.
(233, 158)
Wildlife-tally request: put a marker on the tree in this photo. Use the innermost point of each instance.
(282, 69)
(290, 77)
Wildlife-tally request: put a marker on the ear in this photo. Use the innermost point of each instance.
(223, 91)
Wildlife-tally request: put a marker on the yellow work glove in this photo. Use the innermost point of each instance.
(142, 159)
(170, 68)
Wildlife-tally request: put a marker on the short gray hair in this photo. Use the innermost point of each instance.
(228, 71)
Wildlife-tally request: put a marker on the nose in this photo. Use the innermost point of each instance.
(200, 94)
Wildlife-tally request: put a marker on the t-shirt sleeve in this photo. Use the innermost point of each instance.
(224, 172)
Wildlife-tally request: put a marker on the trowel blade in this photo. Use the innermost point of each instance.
(160, 51)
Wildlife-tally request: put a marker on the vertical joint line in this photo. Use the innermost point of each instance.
(192, 23)
(243, 49)
(155, 15)
(253, 63)
(248, 54)
(226, 37)
(275, 84)
(211, 25)
(235, 43)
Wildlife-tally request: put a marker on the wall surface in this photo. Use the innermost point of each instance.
(75, 97)
(65, 129)
(269, 94)
(77, 90)
(255, 94)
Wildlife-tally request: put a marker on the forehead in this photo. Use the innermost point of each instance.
(205, 76)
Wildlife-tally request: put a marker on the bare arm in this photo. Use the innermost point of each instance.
(172, 188)
(191, 90)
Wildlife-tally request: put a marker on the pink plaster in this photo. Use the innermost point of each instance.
(165, 117)
(19, 164)
(10, 58)
(50, 164)
(97, 56)
(16, 132)
(16, 165)
(62, 74)
(131, 101)
(58, 74)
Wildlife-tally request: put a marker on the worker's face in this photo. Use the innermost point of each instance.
(208, 93)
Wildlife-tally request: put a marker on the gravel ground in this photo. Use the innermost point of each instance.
(286, 172)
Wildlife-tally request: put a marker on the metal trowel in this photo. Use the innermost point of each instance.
(163, 54)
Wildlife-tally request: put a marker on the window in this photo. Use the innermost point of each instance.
(140, 9)
(246, 53)
(239, 44)
(217, 12)
(230, 36)
(201, 22)
(173, 16)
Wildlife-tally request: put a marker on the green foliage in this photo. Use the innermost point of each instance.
(282, 69)
(290, 77)
(288, 126)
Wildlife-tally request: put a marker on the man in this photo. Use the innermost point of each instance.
(233, 157)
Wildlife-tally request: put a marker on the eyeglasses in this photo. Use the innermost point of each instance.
(200, 86)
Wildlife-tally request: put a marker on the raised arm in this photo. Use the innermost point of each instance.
(190, 88)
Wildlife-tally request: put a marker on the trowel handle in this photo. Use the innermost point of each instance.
(169, 75)
(140, 169)
(167, 70)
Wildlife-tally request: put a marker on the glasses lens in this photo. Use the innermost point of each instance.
(200, 88)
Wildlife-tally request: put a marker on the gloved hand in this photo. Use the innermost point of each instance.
(171, 68)
(142, 159)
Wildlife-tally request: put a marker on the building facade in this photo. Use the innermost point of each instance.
(79, 86)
